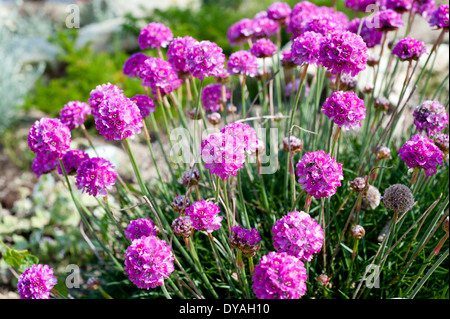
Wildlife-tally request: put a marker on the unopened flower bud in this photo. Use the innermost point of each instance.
(231, 109)
(190, 177)
(372, 60)
(93, 283)
(357, 232)
(383, 153)
(368, 88)
(358, 184)
(324, 280)
(194, 115)
(182, 227)
(382, 104)
(180, 203)
(214, 118)
(292, 144)
(372, 198)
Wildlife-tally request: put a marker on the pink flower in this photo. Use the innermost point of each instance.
(159, 75)
(145, 104)
(177, 53)
(346, 109)
(205, 215)
(440, 17)
(263, 48)
(71, 161)
(205, 59)
(431, 117)
(36, 282)
(95, 176)
(140, 227)
(74, 113)
(133, 63)
(242, 62)
(154, 35)
(240, 31)
(212, 96)
(305, 48)
(409, 49)
(278, 11)
(43, 164)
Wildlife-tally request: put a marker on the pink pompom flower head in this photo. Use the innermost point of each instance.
(319, 174)
(241, 31)
(71, 161)
(400, 6)
(140, 227)
(43, 164)
(117, 118)
(305, 48)
(102, 92)
(155, 35)
(279, 11)
(36, 282)
(386, 20)
(409, 49)
(204, 59)
(74, 114)
(420, 151)
(177, 53)
(244, 133)
(431, 117)
(145, 104)
(346, 109)
(159, 75)
(212, 97)
(263, 48)
(279, 276)
(424, 8)
(50, 137)
(359, 5)
(323, 24)
(264, 28)
(440, 17)
(247, 241)
(95, 176)
(300, 15)
(148, 262)
(298, 235)
(343, 52)
(205, 215)
(242, 62)
(133, 63)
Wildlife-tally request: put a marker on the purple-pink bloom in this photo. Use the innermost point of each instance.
(95, 176)
(386, 20)
(319, 174)
(430, 117)
(74, 113)
(279, 276)
(133, 63)
(298, 235)
(177, 53)
(278, 11)
(245, 133)
(242, 62)
(182, 226)
(154, 35)
(117, 118)
(359, 5)
(343, 52)
(140, 227)
(49, 136)
(247, 241)
(371, 36)
(263, 48)
(240, 31)
(345, 109)
(420, 151)
(205, 59)
(43, 164)
(300, 14)
(424, 8)
(145, 104)
(264, 28)
(148, 261)
(205, 215)
(440, 17)
(159, 75)
(212, 97)
(323, 24)
(102, 92)
(399, 6)
(305, 48)
(409, 49)
(71, 161)
(36, 282)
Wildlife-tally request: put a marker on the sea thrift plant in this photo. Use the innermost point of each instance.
(247, 241)
(264, 28)
(409, 49)
(205, 215)
(298, 235)
(159, 75)
(101, 93)
(242, 62)
(430, 117)
(424, 8)
(96, 176)
(36, 282)
(345, 109)
(140, 227)
(212, 97)
(148, 262)
(305, 48)
(245, 135)
(155, 35)
(420, 151)
(71, 161)
(182, 227)
(205, 59)
(263, 48)
(49, 137)
(74, 114)
(324, 25)
(145, 104)
(343, 52)
(279, 276)
(441, 141)
(319, 174)
(177, 53)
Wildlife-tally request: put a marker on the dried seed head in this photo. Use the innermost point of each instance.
(357, 232)
(292, 144)
(383, 153)
(214, 118)
(358, 184)
(399, 198)
(190, 177)
(231, 109)
(372, 198)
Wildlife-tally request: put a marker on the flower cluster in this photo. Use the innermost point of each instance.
(148, 261)
(117, 117)
(36, 282)
(399, 6)
(102, 92)
(43, 164)
(71, 161)
(264, 28)
(430, 117)
(440, 17)
(319, 174)
(154, 35)
(387, 20)
(204, 59)
(409, 49)
(424, 8)
(346, 109)
(323, 24)
(305, 48)
(179, 204)
(95, 176)
(263, 48)
(241, 31)
(278, 11)
(140, 227)
(242, 62)
(74, 113)
(343, 52)
(177, 53)
(292, 144)
(420, 151)
(204, 215)
(298, 235)
(145, 104)
(212, 97)
(159, 75)
(247, 241)
(133, 64)
(279, 276)
(50, 138)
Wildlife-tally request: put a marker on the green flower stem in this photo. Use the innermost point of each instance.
(241, 268)
(155, 127)
(241, 198)
(164, 290)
